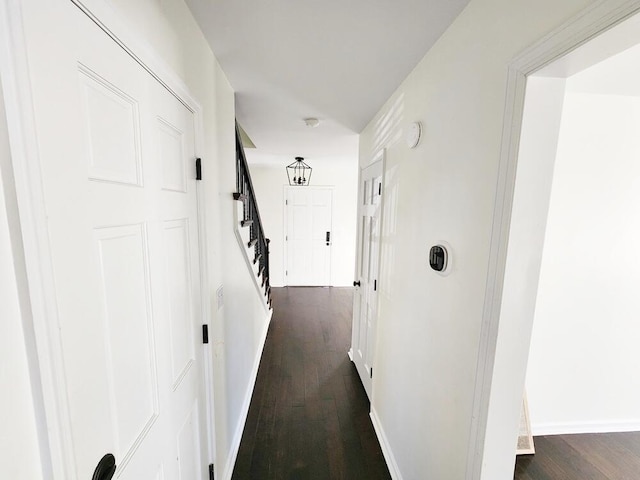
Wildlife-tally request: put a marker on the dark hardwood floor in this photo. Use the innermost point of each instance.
(309, 414)
(598, 456)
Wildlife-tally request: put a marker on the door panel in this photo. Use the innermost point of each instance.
(365, 300)
(112, 131)
(308, 219)
(188, 452)
(117, 152)
(128, 333)
(178, 288)
(171, 141)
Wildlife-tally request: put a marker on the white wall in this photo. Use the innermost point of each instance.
(342, 173)
(582, 374)
(238, 328)
(19, 447)
(429, 325)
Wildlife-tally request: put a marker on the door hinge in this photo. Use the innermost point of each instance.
(198, 169)
(286, 272)
(375, 285)
(286, 202)
(380, 188)
(205, 333)
(371, 372)
(211, 471)
(286, 238)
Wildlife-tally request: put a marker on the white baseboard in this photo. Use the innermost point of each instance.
(587, 427)
(384, 445)
(237, 436)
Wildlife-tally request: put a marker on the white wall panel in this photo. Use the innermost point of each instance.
(582, 373)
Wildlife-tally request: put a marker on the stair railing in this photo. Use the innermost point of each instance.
(251, 217)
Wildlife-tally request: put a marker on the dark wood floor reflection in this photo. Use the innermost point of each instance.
(309, 415)
(599, 456)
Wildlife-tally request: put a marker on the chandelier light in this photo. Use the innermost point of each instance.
(299, 173)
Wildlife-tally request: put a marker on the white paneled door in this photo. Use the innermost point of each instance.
(365, 299)
(117, 159)
(308, 235)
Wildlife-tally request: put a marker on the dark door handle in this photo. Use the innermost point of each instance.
(356, 284)
(106, 468)
(328, 237)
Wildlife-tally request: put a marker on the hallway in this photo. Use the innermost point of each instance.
(309, 415)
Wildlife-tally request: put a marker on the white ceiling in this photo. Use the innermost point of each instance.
(617, 75)
(605, 46)
(608, 64)
(337, 60)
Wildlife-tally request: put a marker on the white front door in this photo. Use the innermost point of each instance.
(117, 158)
(365, 300)
(309, 236)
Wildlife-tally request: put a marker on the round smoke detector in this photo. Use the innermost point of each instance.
(414, 132)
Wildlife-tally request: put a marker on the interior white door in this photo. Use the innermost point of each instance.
(365, 300)
(309, 235)
(117, 154)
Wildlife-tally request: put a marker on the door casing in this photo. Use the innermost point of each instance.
(494, 378)
(286, 227)
(366, 370)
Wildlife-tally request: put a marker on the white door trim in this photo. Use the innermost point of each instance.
(592, 21)
(55, 436)
(380, 156)
(24, 158)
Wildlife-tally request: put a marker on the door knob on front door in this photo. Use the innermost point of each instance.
(356, 284)
(106, 468)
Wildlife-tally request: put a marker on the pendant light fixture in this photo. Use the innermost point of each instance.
(299, 173)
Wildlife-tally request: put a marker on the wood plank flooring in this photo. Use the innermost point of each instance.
(598, 456)
(309, 415)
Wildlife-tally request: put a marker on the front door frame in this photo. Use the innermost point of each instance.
(48, 382)
(486, 414)
(285, 190)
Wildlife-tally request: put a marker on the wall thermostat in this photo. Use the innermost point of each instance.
(438, 258)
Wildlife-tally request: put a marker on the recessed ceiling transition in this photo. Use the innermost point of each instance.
(335, 60)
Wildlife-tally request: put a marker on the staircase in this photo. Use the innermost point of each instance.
(249, 219)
